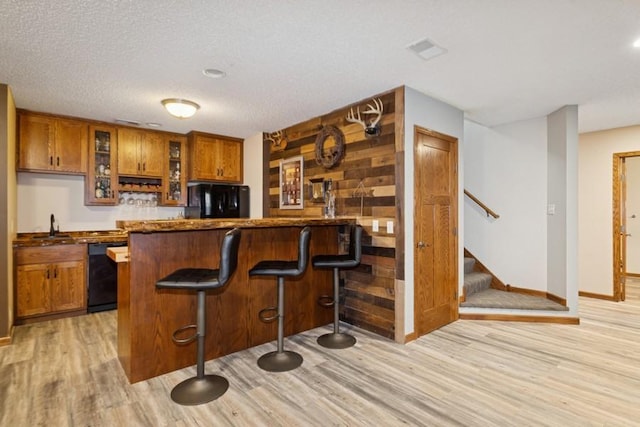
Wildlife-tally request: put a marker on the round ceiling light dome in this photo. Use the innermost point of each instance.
(180, 108)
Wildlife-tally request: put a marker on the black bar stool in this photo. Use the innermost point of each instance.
(202, 388)
(337, 339)
(281, 360)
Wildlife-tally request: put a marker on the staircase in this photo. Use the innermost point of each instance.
(474, 281)
(482, 289)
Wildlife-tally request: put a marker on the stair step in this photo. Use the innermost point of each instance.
(469, 264)
(476, 282)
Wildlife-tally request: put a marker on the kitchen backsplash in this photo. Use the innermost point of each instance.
(40, 195)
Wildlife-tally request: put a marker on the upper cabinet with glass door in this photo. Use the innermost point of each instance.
(175, 179)
(101, 182)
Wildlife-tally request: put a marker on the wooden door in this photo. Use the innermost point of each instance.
(35, 142)
(435, 229)
(32, 290)
(152, 154)
(230, 161)
(203, 158)
(128, 145)
(68, 291)
(71, 146)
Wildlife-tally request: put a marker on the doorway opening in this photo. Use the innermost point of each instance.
(626, 220)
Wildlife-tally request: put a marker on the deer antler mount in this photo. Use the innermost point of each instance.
(372, 127)
(278, 140)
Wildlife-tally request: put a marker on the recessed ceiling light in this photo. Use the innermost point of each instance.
(154, 124)
(426, 49)
(213, 73)
(636, 43)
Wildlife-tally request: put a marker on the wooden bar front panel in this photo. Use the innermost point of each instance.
(148, 317)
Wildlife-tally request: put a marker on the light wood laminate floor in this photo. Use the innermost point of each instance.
(469, 373)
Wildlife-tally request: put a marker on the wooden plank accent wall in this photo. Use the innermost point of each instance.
(368, 295)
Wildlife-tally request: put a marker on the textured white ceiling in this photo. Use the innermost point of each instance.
(290, 60)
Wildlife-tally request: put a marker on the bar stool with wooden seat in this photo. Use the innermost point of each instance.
(202, 388)
(281, 360)
(337, 339)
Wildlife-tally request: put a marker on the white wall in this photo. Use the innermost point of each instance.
(40, 195)
(595, 198)
(562, 199)
(506, 168)
(428, 113)
(253, 152)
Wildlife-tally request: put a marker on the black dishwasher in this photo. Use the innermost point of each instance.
(103, 278)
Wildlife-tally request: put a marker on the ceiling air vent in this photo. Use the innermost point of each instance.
(426, 49)
(127, 122)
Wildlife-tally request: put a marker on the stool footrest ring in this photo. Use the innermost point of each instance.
(187, 340)
(262, 314)
(326, 301)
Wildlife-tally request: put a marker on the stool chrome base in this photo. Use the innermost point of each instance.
(196, 391)
(336, 340)
(280, 361)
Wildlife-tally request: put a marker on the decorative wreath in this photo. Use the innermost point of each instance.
(331, 157)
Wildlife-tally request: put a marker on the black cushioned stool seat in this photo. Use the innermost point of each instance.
(337, 339)
(202, 388)
(281, 360)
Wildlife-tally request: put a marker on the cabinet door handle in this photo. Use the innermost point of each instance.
(58, 161)
(55, 273)
(51, 160)
(144, 166)
(48, 275)
(138, 166)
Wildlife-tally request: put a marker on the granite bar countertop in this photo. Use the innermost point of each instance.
(149, 226)
(24, 240)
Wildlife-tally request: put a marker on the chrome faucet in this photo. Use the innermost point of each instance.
(52, 231)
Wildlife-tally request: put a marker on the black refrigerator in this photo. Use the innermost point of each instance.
(217, 201)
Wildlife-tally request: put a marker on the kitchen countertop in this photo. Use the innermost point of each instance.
(148, 226)
(69, 238)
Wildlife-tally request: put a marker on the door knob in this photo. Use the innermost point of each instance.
(421, 245)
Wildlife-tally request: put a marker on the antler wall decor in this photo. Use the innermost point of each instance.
(277, 139)
(372, 128)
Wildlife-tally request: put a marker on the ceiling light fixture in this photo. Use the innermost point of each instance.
(180, 108)
(636, 43)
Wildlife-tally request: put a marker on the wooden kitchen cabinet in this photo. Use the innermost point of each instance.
(215, 158)
(175, 178)
(52, 144)
(101, 182)
(50, 280)
(140, 153)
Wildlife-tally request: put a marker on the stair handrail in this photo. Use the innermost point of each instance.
(482, 205)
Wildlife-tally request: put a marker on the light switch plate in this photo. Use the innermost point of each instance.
(375, 225)
(389, 227)
(551, 209)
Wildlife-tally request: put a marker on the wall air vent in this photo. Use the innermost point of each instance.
(426, 49)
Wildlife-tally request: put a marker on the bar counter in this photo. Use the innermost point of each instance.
(148, 317)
